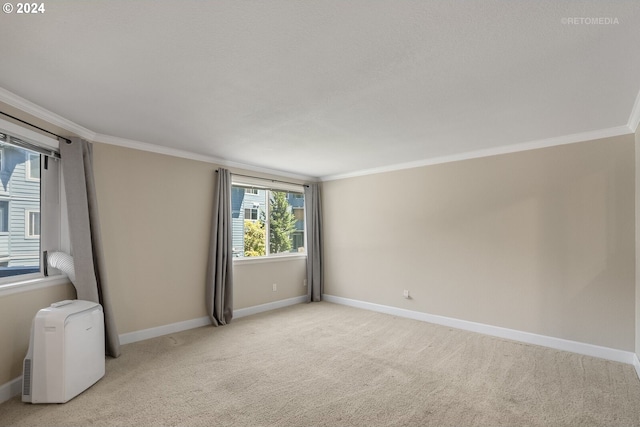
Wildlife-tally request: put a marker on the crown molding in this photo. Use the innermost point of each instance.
(634, 117)
(29, 107)
(184, 154)
(495, 151)
(35, 110)
(59, 121)
(158, 149)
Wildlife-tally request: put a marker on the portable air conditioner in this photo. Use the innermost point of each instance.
(66, 352)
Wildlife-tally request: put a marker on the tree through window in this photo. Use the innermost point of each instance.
(267, 221)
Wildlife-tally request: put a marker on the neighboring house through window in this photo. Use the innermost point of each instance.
(267, 219)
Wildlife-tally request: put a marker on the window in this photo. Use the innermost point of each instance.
(33, 166)
(273, 221)
(4, 216)
(32, 227)
(30, 209)
(251, 213)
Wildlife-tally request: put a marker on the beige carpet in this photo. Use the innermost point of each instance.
(328, 365)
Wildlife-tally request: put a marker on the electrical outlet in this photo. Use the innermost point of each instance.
(275, 287)
(304, 283)
(405, 294)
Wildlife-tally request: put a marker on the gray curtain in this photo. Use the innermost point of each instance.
(315, 285)
(84, 232)
(219, 285)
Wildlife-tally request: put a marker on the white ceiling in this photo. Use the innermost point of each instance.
(324, 87)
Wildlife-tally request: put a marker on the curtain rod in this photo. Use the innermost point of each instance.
(37, 127)
(268, 179)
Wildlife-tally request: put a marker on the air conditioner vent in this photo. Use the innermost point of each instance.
(26, 378)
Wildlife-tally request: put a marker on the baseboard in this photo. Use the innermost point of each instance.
(14, 387)
(10, 389)
(243, 312)
(172, 328)
(496, 331)
(159, 331)
(636, 364)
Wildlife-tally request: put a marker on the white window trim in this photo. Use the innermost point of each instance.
(28, 135)
(270, 258)
(267, 184)
(30, 282)
(27, 224)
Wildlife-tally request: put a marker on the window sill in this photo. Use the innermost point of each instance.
(268, 259)
(32, 284)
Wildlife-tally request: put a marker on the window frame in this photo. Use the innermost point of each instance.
(269, 185)
(53, 213)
